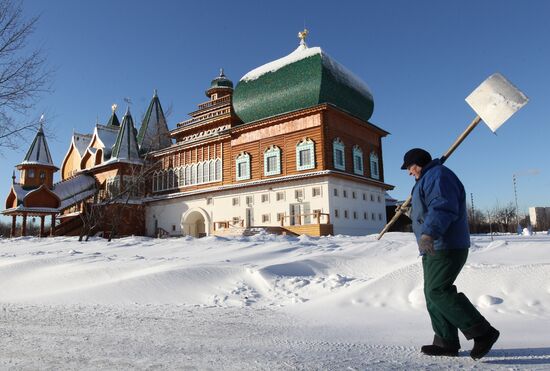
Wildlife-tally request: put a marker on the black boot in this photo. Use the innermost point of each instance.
(435, 350)
(484, 343)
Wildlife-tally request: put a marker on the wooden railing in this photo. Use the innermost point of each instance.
(215, 102)
(161, 233)
(298, 219)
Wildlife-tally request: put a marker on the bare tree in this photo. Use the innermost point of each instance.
(23, 73)
(505, 218)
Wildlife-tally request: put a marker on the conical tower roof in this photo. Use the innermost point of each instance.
(113, 120)
(126, 147)
(153, 133)
(39, 153)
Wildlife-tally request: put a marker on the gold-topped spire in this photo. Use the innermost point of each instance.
(302, 36)
(114, 107)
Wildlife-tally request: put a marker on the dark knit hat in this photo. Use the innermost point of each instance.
(416, 156)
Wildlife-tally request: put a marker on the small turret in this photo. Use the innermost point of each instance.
(37, 167)
(220, 86)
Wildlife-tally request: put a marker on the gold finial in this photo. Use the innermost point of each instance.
(302, 36)
(114, 107)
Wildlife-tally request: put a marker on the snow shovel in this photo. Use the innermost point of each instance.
(494, 101)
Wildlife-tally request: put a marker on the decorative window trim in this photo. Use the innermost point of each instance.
(338, 145)
(242, 158)
(358, 163)
(272, 151)
(374, 166)
(305, 144)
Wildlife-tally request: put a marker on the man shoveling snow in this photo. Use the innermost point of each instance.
(440, 223)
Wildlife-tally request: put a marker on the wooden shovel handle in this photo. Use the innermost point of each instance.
(398, 213)
(443, 158)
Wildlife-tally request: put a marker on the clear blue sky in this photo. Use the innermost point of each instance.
(420, 59)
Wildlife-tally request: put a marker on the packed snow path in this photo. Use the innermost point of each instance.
(185, 338)
(259, 303)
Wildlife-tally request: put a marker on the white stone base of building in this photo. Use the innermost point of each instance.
(354, 208)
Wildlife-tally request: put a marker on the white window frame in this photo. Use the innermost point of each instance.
(272, 151)
(242, 158)
(374, 166)
(358, 165)
(305, 144)
(314, 189)
(249, 200)
(338, 145)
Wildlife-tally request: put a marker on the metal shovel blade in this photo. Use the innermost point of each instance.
(496, 100)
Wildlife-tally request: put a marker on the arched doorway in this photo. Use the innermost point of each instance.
(195, 222)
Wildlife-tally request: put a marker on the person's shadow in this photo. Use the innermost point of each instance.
(525, 356)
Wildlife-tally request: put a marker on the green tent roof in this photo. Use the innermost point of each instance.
(305, 78)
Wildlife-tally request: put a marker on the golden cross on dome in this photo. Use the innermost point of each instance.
(302, 36)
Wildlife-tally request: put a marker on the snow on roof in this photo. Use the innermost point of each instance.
(19, 191)
(81, 142)
(76, 198)
(70, 188)
(340, 72)
(300, 53)
(345, 76)
(107, 135)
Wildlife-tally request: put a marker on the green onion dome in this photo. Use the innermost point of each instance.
(305, 78)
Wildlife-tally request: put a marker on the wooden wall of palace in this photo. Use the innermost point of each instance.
(128, 219)
(321, 126)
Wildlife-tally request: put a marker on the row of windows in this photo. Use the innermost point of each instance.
(339, 156)
(356, 215)
(345, 194)
(305, 160)
(266, 218)
(279, 196)
(198, 173)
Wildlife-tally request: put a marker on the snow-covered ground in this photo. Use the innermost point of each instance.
(260, 302)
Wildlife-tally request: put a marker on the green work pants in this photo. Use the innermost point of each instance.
(448, 309)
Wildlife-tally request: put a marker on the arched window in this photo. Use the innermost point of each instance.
(272, 161)
(164, 180)
(187, 175)
(199, 173)
(205, 171)
(374, 166)
(338, 150)
(194, 174)
(218, 170)
(358, 167)
(170, 178)
(305, 154)
(155, 181)
(212, 175)
(182, 176)
(242, 164)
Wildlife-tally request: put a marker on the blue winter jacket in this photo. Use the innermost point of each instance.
(438, 208)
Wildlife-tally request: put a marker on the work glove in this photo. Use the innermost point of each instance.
(426, 245)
